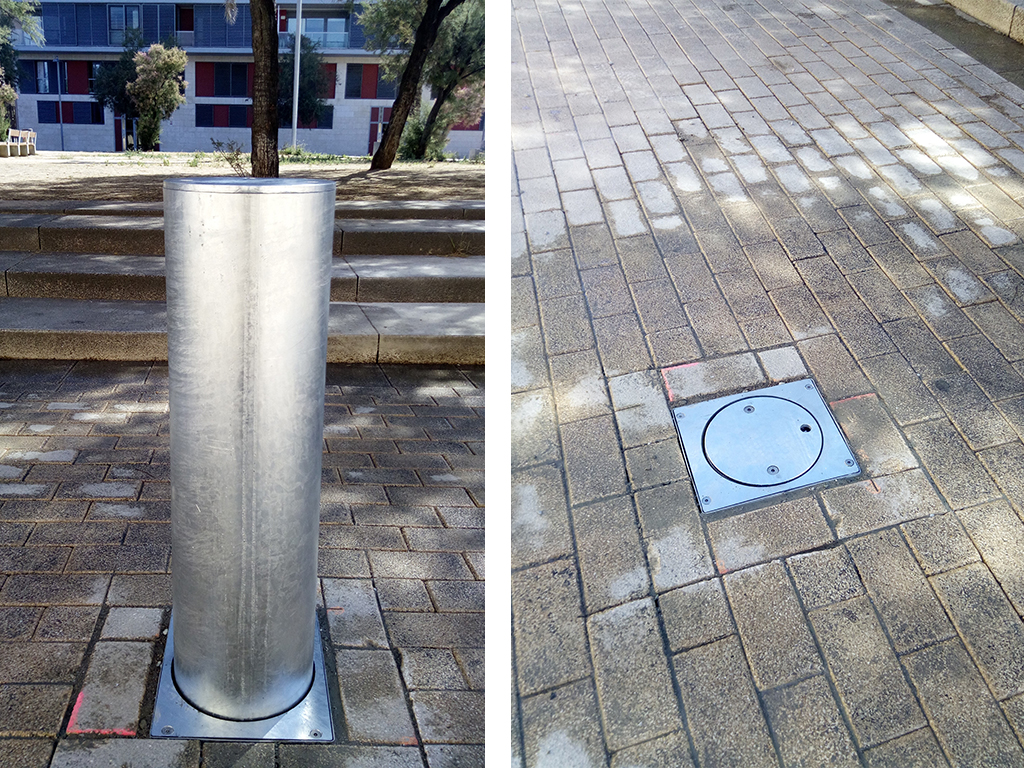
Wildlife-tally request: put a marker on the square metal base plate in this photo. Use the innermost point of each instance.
(754, 445)
(309, 720)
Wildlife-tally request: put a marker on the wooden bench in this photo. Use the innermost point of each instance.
(30, 141)
(10, 146)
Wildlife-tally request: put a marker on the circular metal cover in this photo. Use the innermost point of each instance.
(762, 441)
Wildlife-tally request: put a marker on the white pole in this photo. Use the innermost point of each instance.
(295, 79)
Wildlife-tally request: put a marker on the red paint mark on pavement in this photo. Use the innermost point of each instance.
(874, 486)
(412, 741)
(855, 397)
(98, 731)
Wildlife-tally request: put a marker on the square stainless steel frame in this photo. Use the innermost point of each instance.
(308, 721)
(717, 491)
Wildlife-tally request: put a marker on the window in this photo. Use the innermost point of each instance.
(121, 18)
(76, 112)
(94, 71)
(329, 30)
(365, 81)
(223, 116)
(46, 77)
(223, 79)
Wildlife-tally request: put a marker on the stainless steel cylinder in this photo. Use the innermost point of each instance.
(248, 285)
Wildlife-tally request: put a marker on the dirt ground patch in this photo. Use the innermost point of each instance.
(110, 176)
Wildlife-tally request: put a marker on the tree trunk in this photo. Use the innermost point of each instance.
(264, 89)
(426, 34)
(428, 126)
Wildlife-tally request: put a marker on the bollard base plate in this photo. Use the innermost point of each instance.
(308, 721)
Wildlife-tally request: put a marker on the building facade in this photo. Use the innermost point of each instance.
(56, 78)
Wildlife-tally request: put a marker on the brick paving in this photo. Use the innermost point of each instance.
(713, 196)
(85, 568)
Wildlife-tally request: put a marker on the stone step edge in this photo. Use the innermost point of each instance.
(412, 333)
(362, 209)
(124, 235)
(354, 279)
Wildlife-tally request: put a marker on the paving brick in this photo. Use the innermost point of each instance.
(140, 590)
(880, 502)
(454, 717)
(27, 753)
(1000, 328)
(632, 674)
(548, 627)
(825, 577)
(872, 436)
(238, 755)
(987, 624)
(44, 589)
(35, 662)
(677, 551)
(138, 753)
(865, 672)
(612, 565)
(593, 463)
(808, 727)
(972, 413)
(620, 343)
(33, 710)
(998, 534)
(358, 621)
(671, 751)
(940, 543)
(987, 366)
(900, 265)
(771, 625)
(897, 587)
(943, 316)
(765, 534)
(132, 624)
(915, 750)
(373, 698)
(958, 281)
(835, 371)
(534, 438)
(956, 471)
(330, 755)
(431, 669)
(111, 695)
(1005, 464)
(722, 710)
(540, 521)
(967, 720)
(563, 726)
(695, 615)
(712, 376)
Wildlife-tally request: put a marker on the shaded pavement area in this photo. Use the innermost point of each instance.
(85, 565)
(716, 196)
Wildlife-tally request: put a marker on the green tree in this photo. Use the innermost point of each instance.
(455, 70)
(112, 80)
(314, 82)
(7, 98)
(157, 89)
(403, 31)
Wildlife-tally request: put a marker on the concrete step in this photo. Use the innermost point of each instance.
(141, 278)
(343, 209)
(144, 234)
(71, 329)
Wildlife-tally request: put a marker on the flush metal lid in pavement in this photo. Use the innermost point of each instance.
(753, 445)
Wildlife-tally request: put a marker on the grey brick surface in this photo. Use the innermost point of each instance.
(766, 534)
(909, 609)
(722, 711)
(961, 478)
(940, 543)
(613, 569)
(808, 726)
(634, 686)
(564, 727)
(548, 627)
(915, 750)
(967, 720)
(777, 643)
(865, 671)
(825, 577)
(677, 551)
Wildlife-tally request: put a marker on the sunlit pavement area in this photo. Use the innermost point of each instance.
(85, 567)
(712, 197)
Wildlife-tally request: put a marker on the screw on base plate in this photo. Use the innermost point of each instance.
(167, 730)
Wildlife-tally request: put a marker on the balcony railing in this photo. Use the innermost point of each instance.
(326, 40)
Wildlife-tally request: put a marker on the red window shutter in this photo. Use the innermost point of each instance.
(369, 89)
(67, 112)
(387, 114)
(220, 116)
(186, 20)
(332, 76)
(204, 78)
(248, 116)
(282, 22)
(78, 77)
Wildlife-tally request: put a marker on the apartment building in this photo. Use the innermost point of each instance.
(56, 78)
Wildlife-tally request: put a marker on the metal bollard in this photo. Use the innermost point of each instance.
(248, 285)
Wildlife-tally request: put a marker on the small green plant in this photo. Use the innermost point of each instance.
(195, 160)
(231, 153)
(167, 161)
